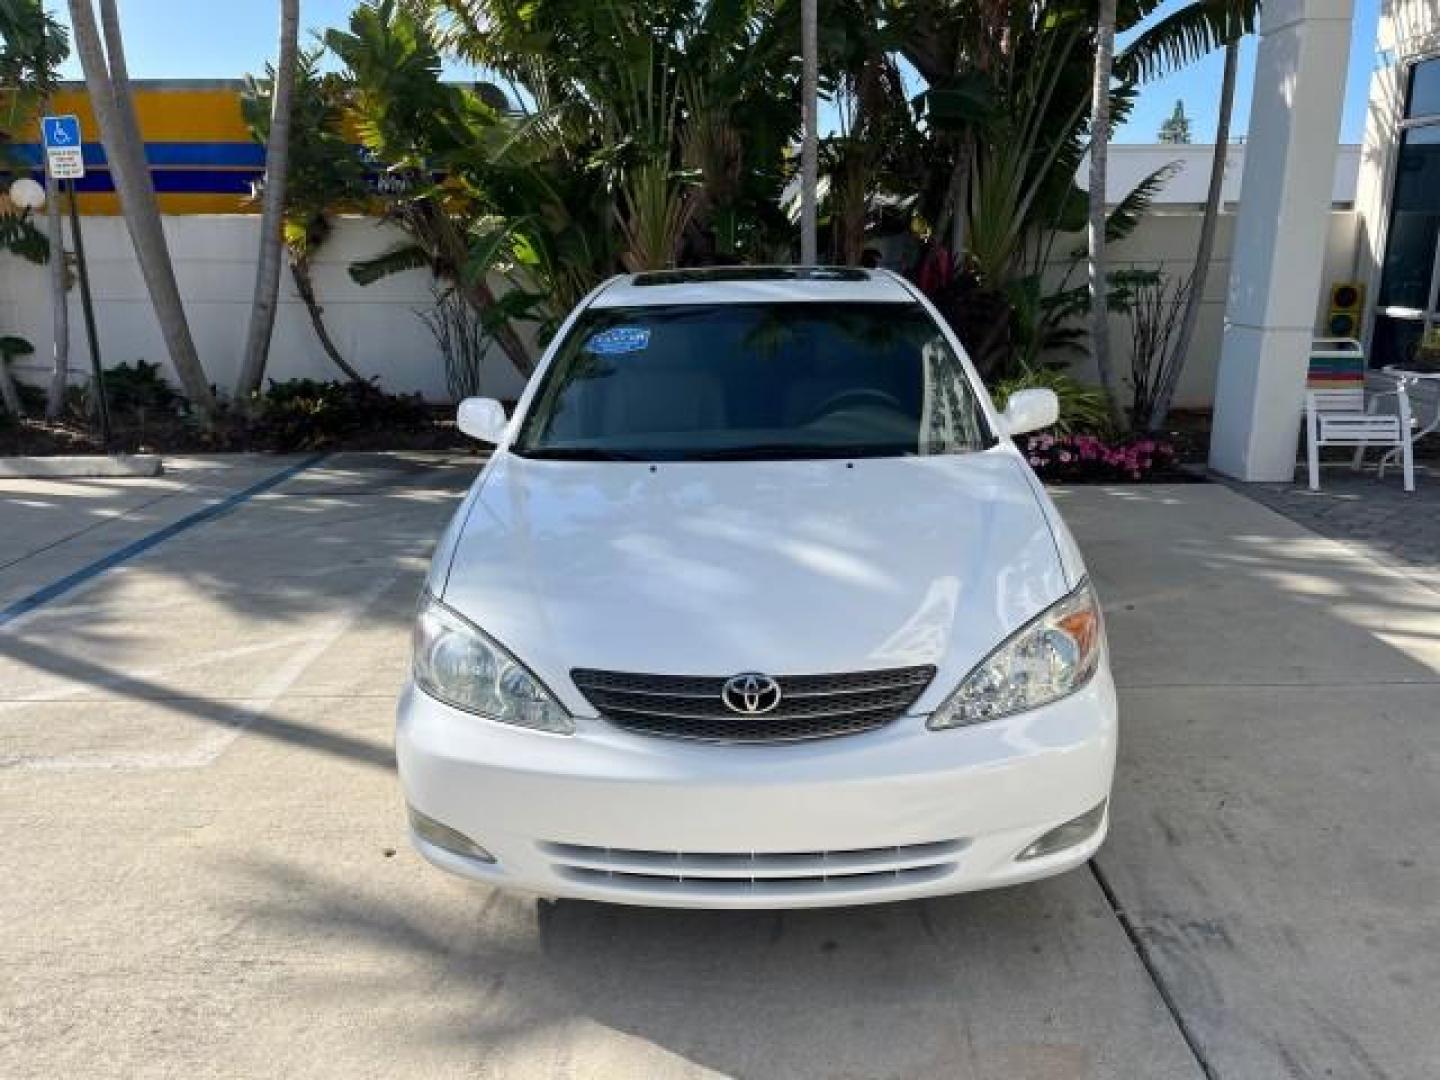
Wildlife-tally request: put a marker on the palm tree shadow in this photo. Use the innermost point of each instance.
(920, 988)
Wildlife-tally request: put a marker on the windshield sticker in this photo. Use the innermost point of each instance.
(619, 340)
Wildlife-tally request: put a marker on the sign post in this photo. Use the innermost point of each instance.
(65, 162)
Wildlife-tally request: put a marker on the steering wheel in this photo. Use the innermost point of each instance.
(858, 394)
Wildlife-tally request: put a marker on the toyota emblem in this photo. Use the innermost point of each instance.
(750, 693)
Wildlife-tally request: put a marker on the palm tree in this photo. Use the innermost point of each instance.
(1099, 145)
(323, 174)
(109, 84)
(1177, 40)
(809, 144)
(416, 125)
(277, 161)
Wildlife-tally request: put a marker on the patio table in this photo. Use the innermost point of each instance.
(1408, 377)
(1405, 378)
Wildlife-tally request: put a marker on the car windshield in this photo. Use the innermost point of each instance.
(753, 382)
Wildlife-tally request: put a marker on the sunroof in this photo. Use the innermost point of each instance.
(752, 273)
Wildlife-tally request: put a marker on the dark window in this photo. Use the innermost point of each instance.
(1424, 96)
(753, 382)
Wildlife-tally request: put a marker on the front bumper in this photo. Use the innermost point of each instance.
(887, 815)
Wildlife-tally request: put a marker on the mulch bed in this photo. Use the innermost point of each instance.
(42, 438)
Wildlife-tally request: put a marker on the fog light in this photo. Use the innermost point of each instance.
(1075, 831)
(442, 836)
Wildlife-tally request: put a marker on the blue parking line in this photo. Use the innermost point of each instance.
(145, 543)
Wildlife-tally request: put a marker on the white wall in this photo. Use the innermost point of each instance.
(375, 327)
(1166, 240)
(378, 331)
(1129, 163)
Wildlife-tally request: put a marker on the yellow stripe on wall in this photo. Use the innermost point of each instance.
(169, 115)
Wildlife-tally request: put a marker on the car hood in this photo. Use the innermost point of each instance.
(785, 567)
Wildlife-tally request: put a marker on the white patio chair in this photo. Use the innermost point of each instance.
(1338, 411)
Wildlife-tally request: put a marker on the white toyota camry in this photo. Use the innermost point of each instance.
(756, 605)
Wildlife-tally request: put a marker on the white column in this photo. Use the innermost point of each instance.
(1279, 252)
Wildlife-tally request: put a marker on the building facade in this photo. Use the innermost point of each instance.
(1398, 195)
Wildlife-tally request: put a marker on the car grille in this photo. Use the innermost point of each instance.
(755, 874)
(811, 706)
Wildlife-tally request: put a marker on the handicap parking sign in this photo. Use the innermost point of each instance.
(64, 155)
(61, 131)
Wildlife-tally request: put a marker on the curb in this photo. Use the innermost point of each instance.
(89, 465)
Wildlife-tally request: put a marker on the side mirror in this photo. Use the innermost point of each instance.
(482, 418)
(1030, 410)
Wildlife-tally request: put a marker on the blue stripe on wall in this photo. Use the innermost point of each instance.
(179, 181)
(247, 155)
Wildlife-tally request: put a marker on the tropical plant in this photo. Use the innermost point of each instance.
(1005, 124)
(1179, 39)
(460, 335)
(11, 347)
(108, 81)
(33, 45)
(867, 160)
(421, 134)
(1089, 458)
(324, 175)
(20, 237)
(140, 390)
(1153, 304)
(636, 136)
(1082, 407)
(306, 414)
(277, 162)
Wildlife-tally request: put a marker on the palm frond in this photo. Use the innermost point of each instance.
(1185, 36)
(1125, 217)
(395, 260)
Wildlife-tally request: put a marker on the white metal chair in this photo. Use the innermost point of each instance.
(1338, 413)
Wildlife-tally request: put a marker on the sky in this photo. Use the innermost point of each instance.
(224, 39)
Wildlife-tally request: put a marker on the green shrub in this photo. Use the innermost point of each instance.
(139, 388)
(1082, 406)
(307, 413)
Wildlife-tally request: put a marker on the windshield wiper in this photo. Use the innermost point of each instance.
(793, 452)
(578, 453)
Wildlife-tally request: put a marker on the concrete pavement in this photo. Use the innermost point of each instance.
(207, 873)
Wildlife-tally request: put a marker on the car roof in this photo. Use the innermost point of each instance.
(753, 284)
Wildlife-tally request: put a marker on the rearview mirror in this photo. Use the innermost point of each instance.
(1030, 410)
(482, 418)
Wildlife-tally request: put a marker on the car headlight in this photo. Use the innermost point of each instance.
(1052, 655)
(456, 663)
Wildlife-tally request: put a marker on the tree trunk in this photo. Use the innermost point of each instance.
(445, 240)
(306, 288)
(483, 297)
(109, 86)
(960, 191)
(1160, 411)
(277, 161)
(59, 305)
(810, 139)
(1099, 145)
